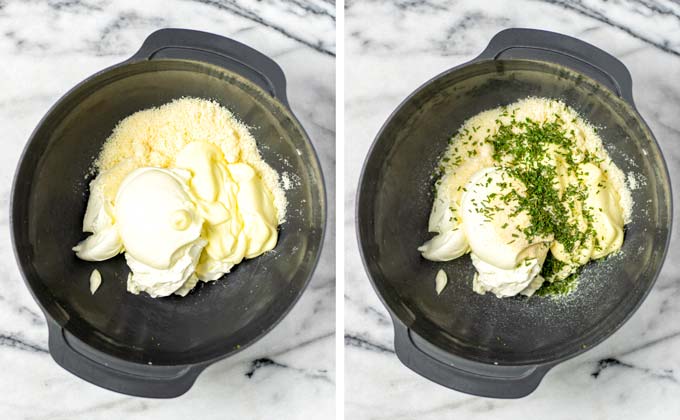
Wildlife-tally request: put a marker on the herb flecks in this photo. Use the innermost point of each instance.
(558, 287)
(528, 150)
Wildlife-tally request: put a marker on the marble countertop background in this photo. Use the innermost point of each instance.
(392, 47)
(46, 47)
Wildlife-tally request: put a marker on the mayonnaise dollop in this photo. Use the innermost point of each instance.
(506, 262)
(241, 220)
(160, 228)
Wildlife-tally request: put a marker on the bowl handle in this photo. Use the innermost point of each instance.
(217, 50)
(463, 375)
(564, 50)
(139, 380)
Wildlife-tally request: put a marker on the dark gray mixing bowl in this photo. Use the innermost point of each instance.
(132, 343)
(481, 344)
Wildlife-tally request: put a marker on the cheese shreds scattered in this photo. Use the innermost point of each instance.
(95, 280)
(154, 136)
(633, 183)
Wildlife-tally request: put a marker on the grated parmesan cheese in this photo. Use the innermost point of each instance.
(154, 136)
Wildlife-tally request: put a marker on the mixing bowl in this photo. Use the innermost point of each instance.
(480, 344)
(132, 343)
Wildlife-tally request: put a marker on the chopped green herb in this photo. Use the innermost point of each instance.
(559, 287)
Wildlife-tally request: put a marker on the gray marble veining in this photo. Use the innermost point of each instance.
(48, 47)
(394, 47)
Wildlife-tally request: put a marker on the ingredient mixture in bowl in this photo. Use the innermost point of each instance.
(182, 190)
(529, 191)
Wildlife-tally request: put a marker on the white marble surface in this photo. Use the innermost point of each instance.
(393, 47)
(46, 47)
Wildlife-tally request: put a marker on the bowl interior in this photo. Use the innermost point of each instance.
(396, 196)
(51, 194)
